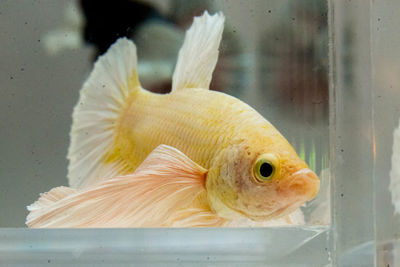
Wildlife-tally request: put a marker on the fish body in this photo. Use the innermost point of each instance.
(198, 122)
(205, 125)
(251, 171)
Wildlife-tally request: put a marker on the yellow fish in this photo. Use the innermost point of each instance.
(206, 158)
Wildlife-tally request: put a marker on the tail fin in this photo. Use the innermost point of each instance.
(102, 98)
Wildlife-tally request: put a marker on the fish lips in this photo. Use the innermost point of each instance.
(303, 184)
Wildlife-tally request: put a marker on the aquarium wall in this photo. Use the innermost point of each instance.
(353, 143)
(325, 73)
(279, 67)
(38, 87)
(385, 42)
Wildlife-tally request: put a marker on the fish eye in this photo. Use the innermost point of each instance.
(265, 167)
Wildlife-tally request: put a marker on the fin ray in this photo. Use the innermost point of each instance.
(199, 53)
(101, 101)
(51, 197)
(157, 194)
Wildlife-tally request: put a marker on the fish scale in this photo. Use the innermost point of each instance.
(196, 121)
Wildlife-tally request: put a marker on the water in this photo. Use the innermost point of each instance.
(48, 60)
(324, 73)
(385, 85)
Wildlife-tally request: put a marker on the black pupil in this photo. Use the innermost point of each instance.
(266, 169)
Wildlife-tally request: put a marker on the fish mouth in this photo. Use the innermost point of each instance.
(303, 184)
(291, 192)
(298, 188)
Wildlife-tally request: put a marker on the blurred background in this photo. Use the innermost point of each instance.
(274, 56)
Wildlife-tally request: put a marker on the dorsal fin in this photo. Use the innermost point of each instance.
(199, 53)
(113, 80)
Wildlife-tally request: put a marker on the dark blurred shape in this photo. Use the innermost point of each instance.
(158, 37)
(183, 11)
(106, 21)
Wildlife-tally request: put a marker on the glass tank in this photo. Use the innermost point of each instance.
(322, 72)
(385, 40)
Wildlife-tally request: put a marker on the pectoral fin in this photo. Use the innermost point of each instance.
(195, 217)
(159, 193)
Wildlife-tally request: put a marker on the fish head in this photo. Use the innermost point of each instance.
(260, 179)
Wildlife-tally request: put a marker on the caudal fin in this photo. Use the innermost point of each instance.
(103, 96)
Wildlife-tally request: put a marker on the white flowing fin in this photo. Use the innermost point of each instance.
(199, 53)
(51, 197)
(394, 186)
(158, 194)
(196, 217)
(102, 99)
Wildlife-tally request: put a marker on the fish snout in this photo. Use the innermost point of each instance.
(305, 183)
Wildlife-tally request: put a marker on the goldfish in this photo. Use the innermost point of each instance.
(192, 157)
